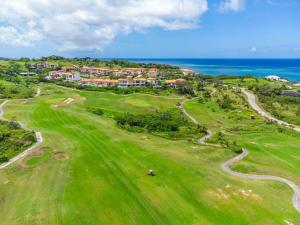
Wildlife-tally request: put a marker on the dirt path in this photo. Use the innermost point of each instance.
(253, 103)
(39, 138)
(226, 165)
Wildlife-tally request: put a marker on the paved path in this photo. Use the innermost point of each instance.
(253, 103)
(226, 168)
(39, 139)
(226, 165)
(38, 92)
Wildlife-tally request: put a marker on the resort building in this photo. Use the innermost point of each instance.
(99, 82)
(95, 71)
(153, 81)
(132, 82)
(186, 72)
(174, 83)
(122, 82)
(68, 76)
(43, 65)
(133, 71)
(69, 68)
(152, 72)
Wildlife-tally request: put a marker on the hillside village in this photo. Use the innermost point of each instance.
(122, 78)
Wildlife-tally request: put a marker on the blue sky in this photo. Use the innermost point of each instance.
(196, 29)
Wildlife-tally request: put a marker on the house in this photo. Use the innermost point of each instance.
(175, 83)
(68, 76)
(272, 77)
(186, 72)
(290, 93)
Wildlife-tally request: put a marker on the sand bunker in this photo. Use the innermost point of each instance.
(68, 101)
(60, 155)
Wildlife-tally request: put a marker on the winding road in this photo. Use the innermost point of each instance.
(226, 165)
(251, 98)
(38, 135)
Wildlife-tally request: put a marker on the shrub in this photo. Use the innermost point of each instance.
(3, 159)
(169, 123)
(96, 111)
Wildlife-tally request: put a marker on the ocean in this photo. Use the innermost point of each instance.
(285, 68)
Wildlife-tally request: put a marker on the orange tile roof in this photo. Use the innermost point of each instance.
(142, 79)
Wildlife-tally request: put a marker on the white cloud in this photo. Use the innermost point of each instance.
(231, 5)
(253, 49)
(91, 24)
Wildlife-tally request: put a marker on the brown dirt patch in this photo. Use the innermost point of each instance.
(36, 153)
(60, 155)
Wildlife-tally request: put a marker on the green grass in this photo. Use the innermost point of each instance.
(11, 90)
(271, 151)
(246, 82)
(280, 106)
(102, 178)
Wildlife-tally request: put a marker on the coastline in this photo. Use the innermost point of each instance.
(285, 68)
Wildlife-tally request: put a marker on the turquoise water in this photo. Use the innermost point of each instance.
(285, 68)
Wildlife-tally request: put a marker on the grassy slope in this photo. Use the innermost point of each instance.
(286, 110)
(22, 90)
(271, 151)
(103, 180)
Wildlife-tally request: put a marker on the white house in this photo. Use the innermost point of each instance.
(272, 77)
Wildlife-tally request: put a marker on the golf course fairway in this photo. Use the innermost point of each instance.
(90, 171)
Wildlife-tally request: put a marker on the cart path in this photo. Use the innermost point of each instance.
(38, 135)
(226, 168)
(251, 98)
(226, 165)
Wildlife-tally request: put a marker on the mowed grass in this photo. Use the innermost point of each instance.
(92, 172)
(271, 151)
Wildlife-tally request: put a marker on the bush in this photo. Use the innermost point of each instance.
(3, 159)
(170, 123)
(96, 111)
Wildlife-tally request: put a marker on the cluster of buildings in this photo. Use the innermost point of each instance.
(130, 81)
(149, 72)
(98, 76)
(101, 71)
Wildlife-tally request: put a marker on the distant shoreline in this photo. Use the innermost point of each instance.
(285, 68)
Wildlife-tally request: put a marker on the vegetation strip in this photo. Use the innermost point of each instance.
(39, 139)
(226, 165)
(252, 102)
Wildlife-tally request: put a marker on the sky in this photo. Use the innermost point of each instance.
(150, 28)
